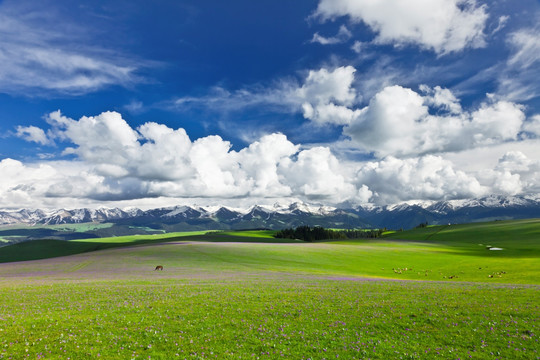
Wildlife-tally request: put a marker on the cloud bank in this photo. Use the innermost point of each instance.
(115, 162)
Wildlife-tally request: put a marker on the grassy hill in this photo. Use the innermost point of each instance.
(447, 253)
(43, 249)
(515, 237)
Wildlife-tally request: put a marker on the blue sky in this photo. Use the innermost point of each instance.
(131, 103)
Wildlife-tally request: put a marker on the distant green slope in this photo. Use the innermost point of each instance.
(515, 237)
(43, 249)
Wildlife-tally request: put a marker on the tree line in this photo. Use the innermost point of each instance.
(308, 233)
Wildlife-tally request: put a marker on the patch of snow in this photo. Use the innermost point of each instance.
(177, 210)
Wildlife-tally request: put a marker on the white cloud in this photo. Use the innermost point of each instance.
(443, 26)
(441, 98)
(503, 20)
(106, 138)
(482, 158)
(508, 168)
(329, 113)
(507, 183)
(326, 95)
(342, 36)
(533, 125)
(358, 46)
(280, 96)
(134, 107)
(261, 161)
(397, 122)
(34, 134)
(323, 86)
(42, 52)
(517, 77)
(119, 164)
(317, 174)
(46, 184)
(495, 123)
(517, 173)
(526, 46)
(155, 160)
(429, 177)
(218, 172)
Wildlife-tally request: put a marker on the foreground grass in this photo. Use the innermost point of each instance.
(268, 317)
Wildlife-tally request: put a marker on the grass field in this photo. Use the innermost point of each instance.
(432, 293)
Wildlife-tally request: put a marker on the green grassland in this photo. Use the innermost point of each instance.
(43, 249)
(266, 317)
(432, 293)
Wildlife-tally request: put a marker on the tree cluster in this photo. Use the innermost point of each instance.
(307, 233)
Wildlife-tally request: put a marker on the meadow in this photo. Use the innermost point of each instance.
(432, 293)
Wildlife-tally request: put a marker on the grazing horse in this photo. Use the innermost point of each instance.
(159, 267)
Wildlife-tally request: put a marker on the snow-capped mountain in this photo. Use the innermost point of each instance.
(82, 216)
(407, 215)
(278, 216)
(21, 217)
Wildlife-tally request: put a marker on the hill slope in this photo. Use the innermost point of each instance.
(514, 237)
(435, 253)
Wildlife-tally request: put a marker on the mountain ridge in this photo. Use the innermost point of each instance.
(403, 215)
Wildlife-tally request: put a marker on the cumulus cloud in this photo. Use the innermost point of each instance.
(429, 177)
(324, 86)
(155, 160)
(342, 36)
(116, 162)
(262, 160)
(516, 173)
(398, 122)
(327, 95)
(317, 174)
(97, 137)
(441, 99)
(443, 26)
(47, 184)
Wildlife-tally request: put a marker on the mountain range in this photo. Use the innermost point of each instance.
(183, 218)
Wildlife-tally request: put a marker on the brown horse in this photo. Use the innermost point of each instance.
(159, 267)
